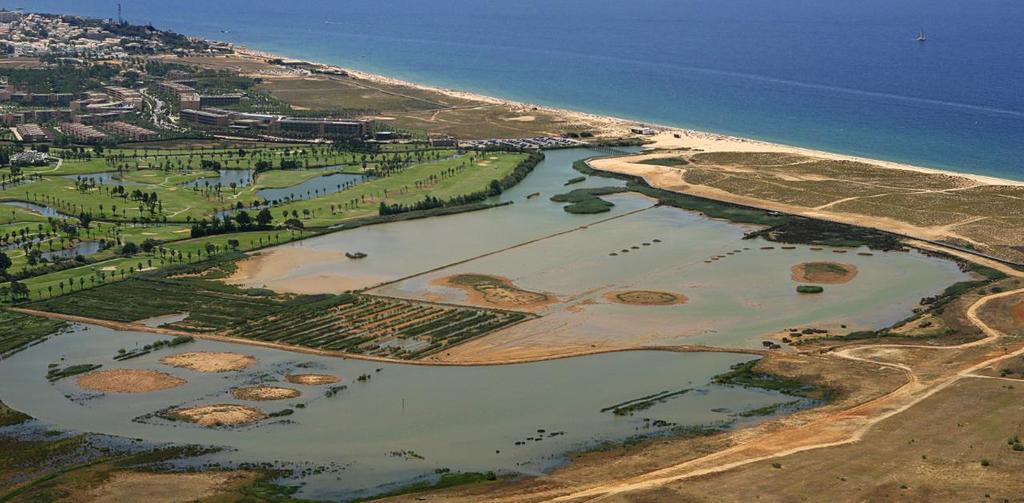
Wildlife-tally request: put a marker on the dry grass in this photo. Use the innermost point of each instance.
(417, 109)
(931, 452)
(351, 94)
(943, 206)
(167, 487)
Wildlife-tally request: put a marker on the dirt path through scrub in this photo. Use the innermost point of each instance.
(836, 429)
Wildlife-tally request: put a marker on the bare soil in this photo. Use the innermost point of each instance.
(209, 361)
(219, 414)
(264, 393)
(496, 291)
(1017, 311)
(166, 487)
(128, 381)
(312, 379)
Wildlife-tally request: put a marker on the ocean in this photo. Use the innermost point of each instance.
(832, 75)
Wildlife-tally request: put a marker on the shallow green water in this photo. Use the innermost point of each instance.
(462, 418)
(733, 301)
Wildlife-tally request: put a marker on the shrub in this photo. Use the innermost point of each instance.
(809, 289)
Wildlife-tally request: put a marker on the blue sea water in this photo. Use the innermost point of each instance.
(838, 75)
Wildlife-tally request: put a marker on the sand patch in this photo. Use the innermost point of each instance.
(828, 273)
(312, 379)
(646, 298)
(484, 290)
(209, 361)
(280, 270)
(521, 118)
(263, 393)
(167, 487)
(218, 414)
(128, 381)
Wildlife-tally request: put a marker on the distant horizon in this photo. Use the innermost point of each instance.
(886, 101)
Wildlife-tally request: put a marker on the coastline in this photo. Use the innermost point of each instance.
(615, 126)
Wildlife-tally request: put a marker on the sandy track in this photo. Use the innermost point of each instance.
(841, 428)
(135, 327)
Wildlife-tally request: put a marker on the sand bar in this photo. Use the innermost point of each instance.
(209, 361)
(128, 381)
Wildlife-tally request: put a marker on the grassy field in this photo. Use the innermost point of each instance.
(418, 110)
(989, 218)
(11, 215)
(350, 94)
(178, 203)
(286, 178)
(952, 447)
(211, 304)
(175, 203)
(407, 186)
(182, 161)
(404, 175)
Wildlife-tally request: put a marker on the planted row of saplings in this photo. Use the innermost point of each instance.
(284, 327)
(285, 322)
(466, 334)
(327, 329)
(366, 324)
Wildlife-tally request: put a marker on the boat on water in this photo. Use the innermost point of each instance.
(920, 36)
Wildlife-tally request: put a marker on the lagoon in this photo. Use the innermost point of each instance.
(461, 418)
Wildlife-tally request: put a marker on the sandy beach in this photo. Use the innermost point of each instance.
(667, 137)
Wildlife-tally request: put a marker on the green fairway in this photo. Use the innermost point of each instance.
(155, 210)
(474, 174)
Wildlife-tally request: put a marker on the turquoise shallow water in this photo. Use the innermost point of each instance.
(840, 76)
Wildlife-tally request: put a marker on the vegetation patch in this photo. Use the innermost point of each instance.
(11, 417)
(18, 331)
(585, 201)
(445, 479)
(629, 407)
(224, 414)
(708, 207)
(126, 354)
(57, 372)
(211, 304)
(799, 230)
(495, 291)
(828, 273)
(746, 374)
(263, 393)
(665, 161)
(809, 289)
(378, 326)
(768, 410)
